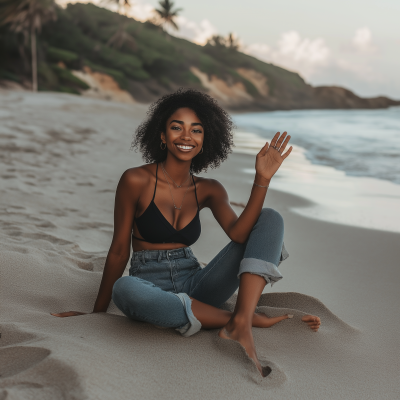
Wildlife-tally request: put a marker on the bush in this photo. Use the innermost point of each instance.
(48, 79)
(9, 76)
(68, 78)
(117, 75)
(67, 89)
(55, 54)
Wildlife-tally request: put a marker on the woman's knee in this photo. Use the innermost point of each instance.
(125, 288)
(271, 216)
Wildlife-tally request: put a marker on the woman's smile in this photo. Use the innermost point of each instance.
(185, 148)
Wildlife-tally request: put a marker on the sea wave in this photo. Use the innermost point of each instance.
(336, 195)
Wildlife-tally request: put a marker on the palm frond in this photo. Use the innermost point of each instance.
(27, 15)
(167, 14)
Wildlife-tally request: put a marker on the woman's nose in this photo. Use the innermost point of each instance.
(186, 135)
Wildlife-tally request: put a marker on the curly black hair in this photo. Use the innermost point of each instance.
(218, 127)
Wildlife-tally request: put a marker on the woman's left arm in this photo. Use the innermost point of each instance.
(268, 161)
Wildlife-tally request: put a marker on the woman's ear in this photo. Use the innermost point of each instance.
(163, 138)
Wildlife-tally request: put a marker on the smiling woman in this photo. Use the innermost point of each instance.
(187, 132)
(208, 117)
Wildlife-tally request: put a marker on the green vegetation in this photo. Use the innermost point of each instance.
(54, 54)
(133, 53)
(26, 17)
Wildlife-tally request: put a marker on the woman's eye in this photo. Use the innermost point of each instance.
(175, 127)
(197, 131)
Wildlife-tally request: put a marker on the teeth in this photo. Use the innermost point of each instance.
(185, 147)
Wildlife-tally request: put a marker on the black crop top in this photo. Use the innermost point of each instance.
(154, 227)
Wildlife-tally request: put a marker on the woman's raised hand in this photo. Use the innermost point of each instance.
(68, 314)
(270, 157)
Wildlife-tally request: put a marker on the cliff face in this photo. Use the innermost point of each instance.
(335, 97)
(76, 55)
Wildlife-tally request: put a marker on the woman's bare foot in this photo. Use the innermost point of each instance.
(312, 321)
(241, 333)
(260, 320)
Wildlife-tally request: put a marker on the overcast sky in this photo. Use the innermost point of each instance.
(350, 43)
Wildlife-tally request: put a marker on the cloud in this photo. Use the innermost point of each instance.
(141, 11)
(312, 58)
(362, 41)
(196, 32)
(294, 52)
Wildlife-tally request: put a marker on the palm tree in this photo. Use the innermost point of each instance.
(232, 42)
(121, 4)
(27, 17)
(217, 41)
(166, 13)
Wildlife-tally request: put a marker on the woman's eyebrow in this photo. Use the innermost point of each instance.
(182, 123)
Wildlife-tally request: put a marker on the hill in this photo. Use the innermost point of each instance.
(87, 51)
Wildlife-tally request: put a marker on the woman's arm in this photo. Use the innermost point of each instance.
(126, 198)
(118, 255)
(268, 161)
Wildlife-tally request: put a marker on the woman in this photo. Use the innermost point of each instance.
(157, 208)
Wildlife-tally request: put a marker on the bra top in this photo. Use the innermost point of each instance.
(154, 227)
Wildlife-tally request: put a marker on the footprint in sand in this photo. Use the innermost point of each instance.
(41, 377)
(273, 376)
(14, 360)
(11, 335)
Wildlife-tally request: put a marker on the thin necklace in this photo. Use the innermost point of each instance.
(178, 208)
(178, 186)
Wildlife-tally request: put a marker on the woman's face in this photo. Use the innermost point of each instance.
(184, 134)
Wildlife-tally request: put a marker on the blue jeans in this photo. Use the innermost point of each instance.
(160, 282)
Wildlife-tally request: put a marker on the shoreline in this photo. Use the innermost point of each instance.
(57, 192)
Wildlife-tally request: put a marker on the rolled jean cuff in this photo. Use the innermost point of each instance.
(194, 325)
(263, 268)
(284, 254)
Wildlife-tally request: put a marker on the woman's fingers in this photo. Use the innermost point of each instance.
(275, 139)
(67, 314)
(280, 140)
(283, 146)
(264, 150)
(288, 152)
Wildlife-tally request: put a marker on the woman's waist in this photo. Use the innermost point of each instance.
(162, 254)
(142, 245)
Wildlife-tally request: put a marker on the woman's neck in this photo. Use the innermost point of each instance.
(177, 169)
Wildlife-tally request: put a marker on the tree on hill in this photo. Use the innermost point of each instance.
(230, 42)
(28, 17)
(216, 41)
(166, 13)
(121, 4)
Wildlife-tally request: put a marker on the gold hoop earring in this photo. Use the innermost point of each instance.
(201, 151)
(163, 148)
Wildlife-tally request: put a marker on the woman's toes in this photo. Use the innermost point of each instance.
(312, 321)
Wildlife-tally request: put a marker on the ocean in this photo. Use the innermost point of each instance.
(347, 162)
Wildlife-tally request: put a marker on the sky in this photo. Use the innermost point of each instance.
(349, 43)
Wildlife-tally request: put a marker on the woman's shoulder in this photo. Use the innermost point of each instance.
(209, 186)
(138, 176)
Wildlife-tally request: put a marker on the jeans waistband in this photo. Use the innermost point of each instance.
(144, 255)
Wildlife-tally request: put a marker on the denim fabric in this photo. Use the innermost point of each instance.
(160, 282)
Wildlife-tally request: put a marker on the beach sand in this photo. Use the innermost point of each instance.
(61, 159)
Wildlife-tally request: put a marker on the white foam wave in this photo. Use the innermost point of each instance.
(358, 201)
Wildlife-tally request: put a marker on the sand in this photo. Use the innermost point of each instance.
(60, 160)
